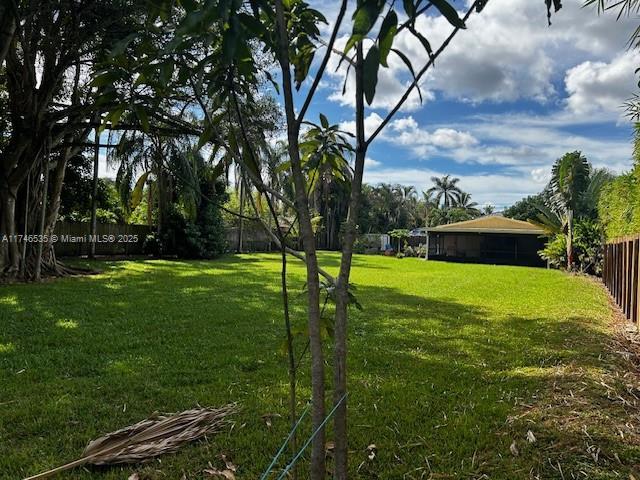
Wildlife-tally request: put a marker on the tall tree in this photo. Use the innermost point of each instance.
(446, 190)
(569, 180)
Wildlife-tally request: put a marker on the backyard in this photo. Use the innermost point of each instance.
(456, 371)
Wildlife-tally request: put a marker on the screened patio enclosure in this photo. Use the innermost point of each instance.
(490, 239)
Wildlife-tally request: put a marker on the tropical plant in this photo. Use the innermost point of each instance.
(569, 181)
(465, 203)
(446, 190)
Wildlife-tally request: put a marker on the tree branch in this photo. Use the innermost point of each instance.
(323, 65)
(424, 69)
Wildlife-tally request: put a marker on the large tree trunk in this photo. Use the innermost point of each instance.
(7, 29)
(10, 248)
(317, 468)
(342, 286)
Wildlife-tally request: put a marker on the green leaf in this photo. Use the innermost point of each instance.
(409, 8)
(136, 194)
(141, 113)
(206, 136)
(449, 13)
(387, 34)
(106, 78)
(114, 116)
(407, 62)
(363, 20)
(423, 40)
(371, 67)
(323, 121)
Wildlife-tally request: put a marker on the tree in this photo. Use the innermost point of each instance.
(446, 190)
(46, 49)
(569, 180)
(465, 203)
(488, 209)
(213, 48)
(526, 209)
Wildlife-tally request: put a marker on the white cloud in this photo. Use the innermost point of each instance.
(506, 54)
(601, 86)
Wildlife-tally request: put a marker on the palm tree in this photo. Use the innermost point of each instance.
(446, 190)
(488, 209)
(464, 202)
(569, 180)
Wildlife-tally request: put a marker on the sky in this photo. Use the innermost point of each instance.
(508, 97)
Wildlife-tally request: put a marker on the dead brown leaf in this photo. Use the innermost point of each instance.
(514, 449)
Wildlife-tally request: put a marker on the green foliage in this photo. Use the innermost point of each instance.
(587, 245)
(555, 251)
(75, 198)
(202, 237)
(526, 209)
(619, 205)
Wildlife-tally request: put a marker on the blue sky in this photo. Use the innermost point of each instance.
(506, 99)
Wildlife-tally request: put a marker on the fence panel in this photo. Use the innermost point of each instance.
(621, 275)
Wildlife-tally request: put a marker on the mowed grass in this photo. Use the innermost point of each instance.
(440, 357)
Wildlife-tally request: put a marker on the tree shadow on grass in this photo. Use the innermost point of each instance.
(430, 378)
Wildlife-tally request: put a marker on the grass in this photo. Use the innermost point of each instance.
(449, 365)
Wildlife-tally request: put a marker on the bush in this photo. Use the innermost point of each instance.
(409, 252)
(201, 237)
(619, 205)
(152, 245)
(587, 248)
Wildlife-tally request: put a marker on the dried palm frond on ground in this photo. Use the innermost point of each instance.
(150, 438)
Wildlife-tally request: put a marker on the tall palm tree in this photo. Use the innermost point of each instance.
(445, 190)
(569, 180)
(464, 202)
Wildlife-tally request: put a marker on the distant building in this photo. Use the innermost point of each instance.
(489, 239)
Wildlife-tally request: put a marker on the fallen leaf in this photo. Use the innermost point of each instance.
(134, 476)
(328, 448)
(371, 451)
(266, 418)
(514, 449)
(226, 474)
(531, 437)
(228, 463)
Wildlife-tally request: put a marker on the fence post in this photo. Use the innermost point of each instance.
(625, 270)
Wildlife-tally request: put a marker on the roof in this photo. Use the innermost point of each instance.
(490, 224)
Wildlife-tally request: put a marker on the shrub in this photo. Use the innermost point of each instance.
(152, 245)
(409, 252)
(587, 246)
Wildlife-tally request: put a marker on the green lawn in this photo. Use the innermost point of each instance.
(440, 358)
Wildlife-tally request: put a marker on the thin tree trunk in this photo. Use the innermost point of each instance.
(94, 196)
(291, 355)
(23, 266)
(240, 219)
(317, 468)
(41, 242)
(342, 287)
(570, 240)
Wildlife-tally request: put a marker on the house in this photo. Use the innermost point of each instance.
(488, 239)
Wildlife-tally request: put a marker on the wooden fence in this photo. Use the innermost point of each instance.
(621, 274)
